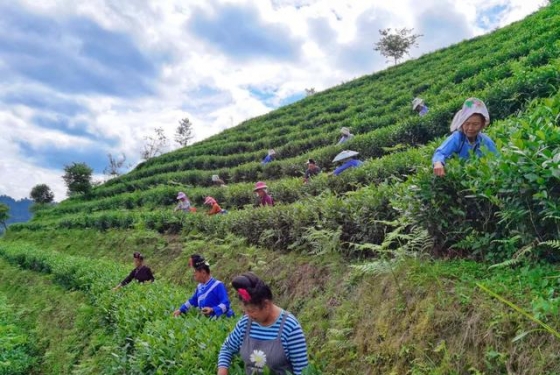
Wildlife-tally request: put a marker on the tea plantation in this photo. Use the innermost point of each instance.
(390, 269)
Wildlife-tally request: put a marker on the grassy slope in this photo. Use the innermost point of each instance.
(441, 323)
(61, 321)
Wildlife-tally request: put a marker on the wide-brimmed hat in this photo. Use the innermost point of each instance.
(271, 152)
(209, 200)
(260, 185)
(181, 195)
(416, 102)
(215, 177)
(345, 155)
(345, 130)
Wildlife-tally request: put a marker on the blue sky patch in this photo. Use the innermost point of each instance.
(239, 32)
(52, 158)
(74, 55)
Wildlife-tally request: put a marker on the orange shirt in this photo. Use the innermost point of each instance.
(216, 209)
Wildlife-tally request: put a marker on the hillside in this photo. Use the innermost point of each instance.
(389, 269)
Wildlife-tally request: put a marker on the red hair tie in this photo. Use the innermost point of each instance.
(244, 294)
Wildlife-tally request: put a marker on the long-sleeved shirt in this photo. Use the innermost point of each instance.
(292, 339)
(183, 205)
(212, 294)
(345, 138)
(458, 144)
(216, 209)
(352, 163)
(142, 274)
(266, 200)
(267, 159)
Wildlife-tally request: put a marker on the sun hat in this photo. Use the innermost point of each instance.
(209, 200)
(181, 195)
(416, 102)
(271, 152)
(260, 185)
(345, 130)
(470, 107)
(345, 155)
(215, 177)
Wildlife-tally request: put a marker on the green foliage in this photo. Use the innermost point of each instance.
(42, 194)
(4, 214)
(145, 338)
(16, 347)
(77, 177)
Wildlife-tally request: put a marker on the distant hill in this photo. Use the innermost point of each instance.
(19, 210)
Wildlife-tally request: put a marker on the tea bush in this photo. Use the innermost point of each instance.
(138, 318)
(491, 207)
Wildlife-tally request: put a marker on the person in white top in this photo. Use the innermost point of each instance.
(184, 203)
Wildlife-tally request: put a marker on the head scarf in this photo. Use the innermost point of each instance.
(416, 102)
(470, 107)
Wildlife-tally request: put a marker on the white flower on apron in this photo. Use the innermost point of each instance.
(258, 358)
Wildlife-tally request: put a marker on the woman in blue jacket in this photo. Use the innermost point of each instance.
(210, 296)
(467, 137)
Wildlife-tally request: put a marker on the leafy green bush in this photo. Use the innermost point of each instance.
(17, 352)
(491, 207)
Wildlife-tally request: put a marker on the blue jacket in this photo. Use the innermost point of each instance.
(212, 294)
(457, 143)
(352, 163)
(267, 159)
(423, 111)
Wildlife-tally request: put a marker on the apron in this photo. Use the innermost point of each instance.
(274, 357)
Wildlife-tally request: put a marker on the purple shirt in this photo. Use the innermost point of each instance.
(266, 200)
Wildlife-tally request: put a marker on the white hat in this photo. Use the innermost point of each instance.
(416, 102)
(470, 107)
(215, 177)
(345, 130)
(271, 152)
(345, 155)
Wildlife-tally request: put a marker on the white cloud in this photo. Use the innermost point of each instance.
(211, 87)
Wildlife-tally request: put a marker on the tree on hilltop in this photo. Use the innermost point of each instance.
(310, 91)
(4, 215)
(155, 144)
(184, 132)
(42, 194)
(396, 45)
(77, 177)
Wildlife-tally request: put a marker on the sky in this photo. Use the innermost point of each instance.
(83, 79)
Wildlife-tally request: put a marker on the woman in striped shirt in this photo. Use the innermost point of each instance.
(267, 336)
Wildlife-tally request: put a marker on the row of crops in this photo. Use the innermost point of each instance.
(541, 82)
(505, 69)
(520, 189)
(141, 335)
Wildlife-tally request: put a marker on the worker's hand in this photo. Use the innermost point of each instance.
(207, 310)
(176, 313)
(222, 371)
(116, 288)
(439, 169)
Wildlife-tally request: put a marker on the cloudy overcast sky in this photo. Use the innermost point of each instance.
(80, 79)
